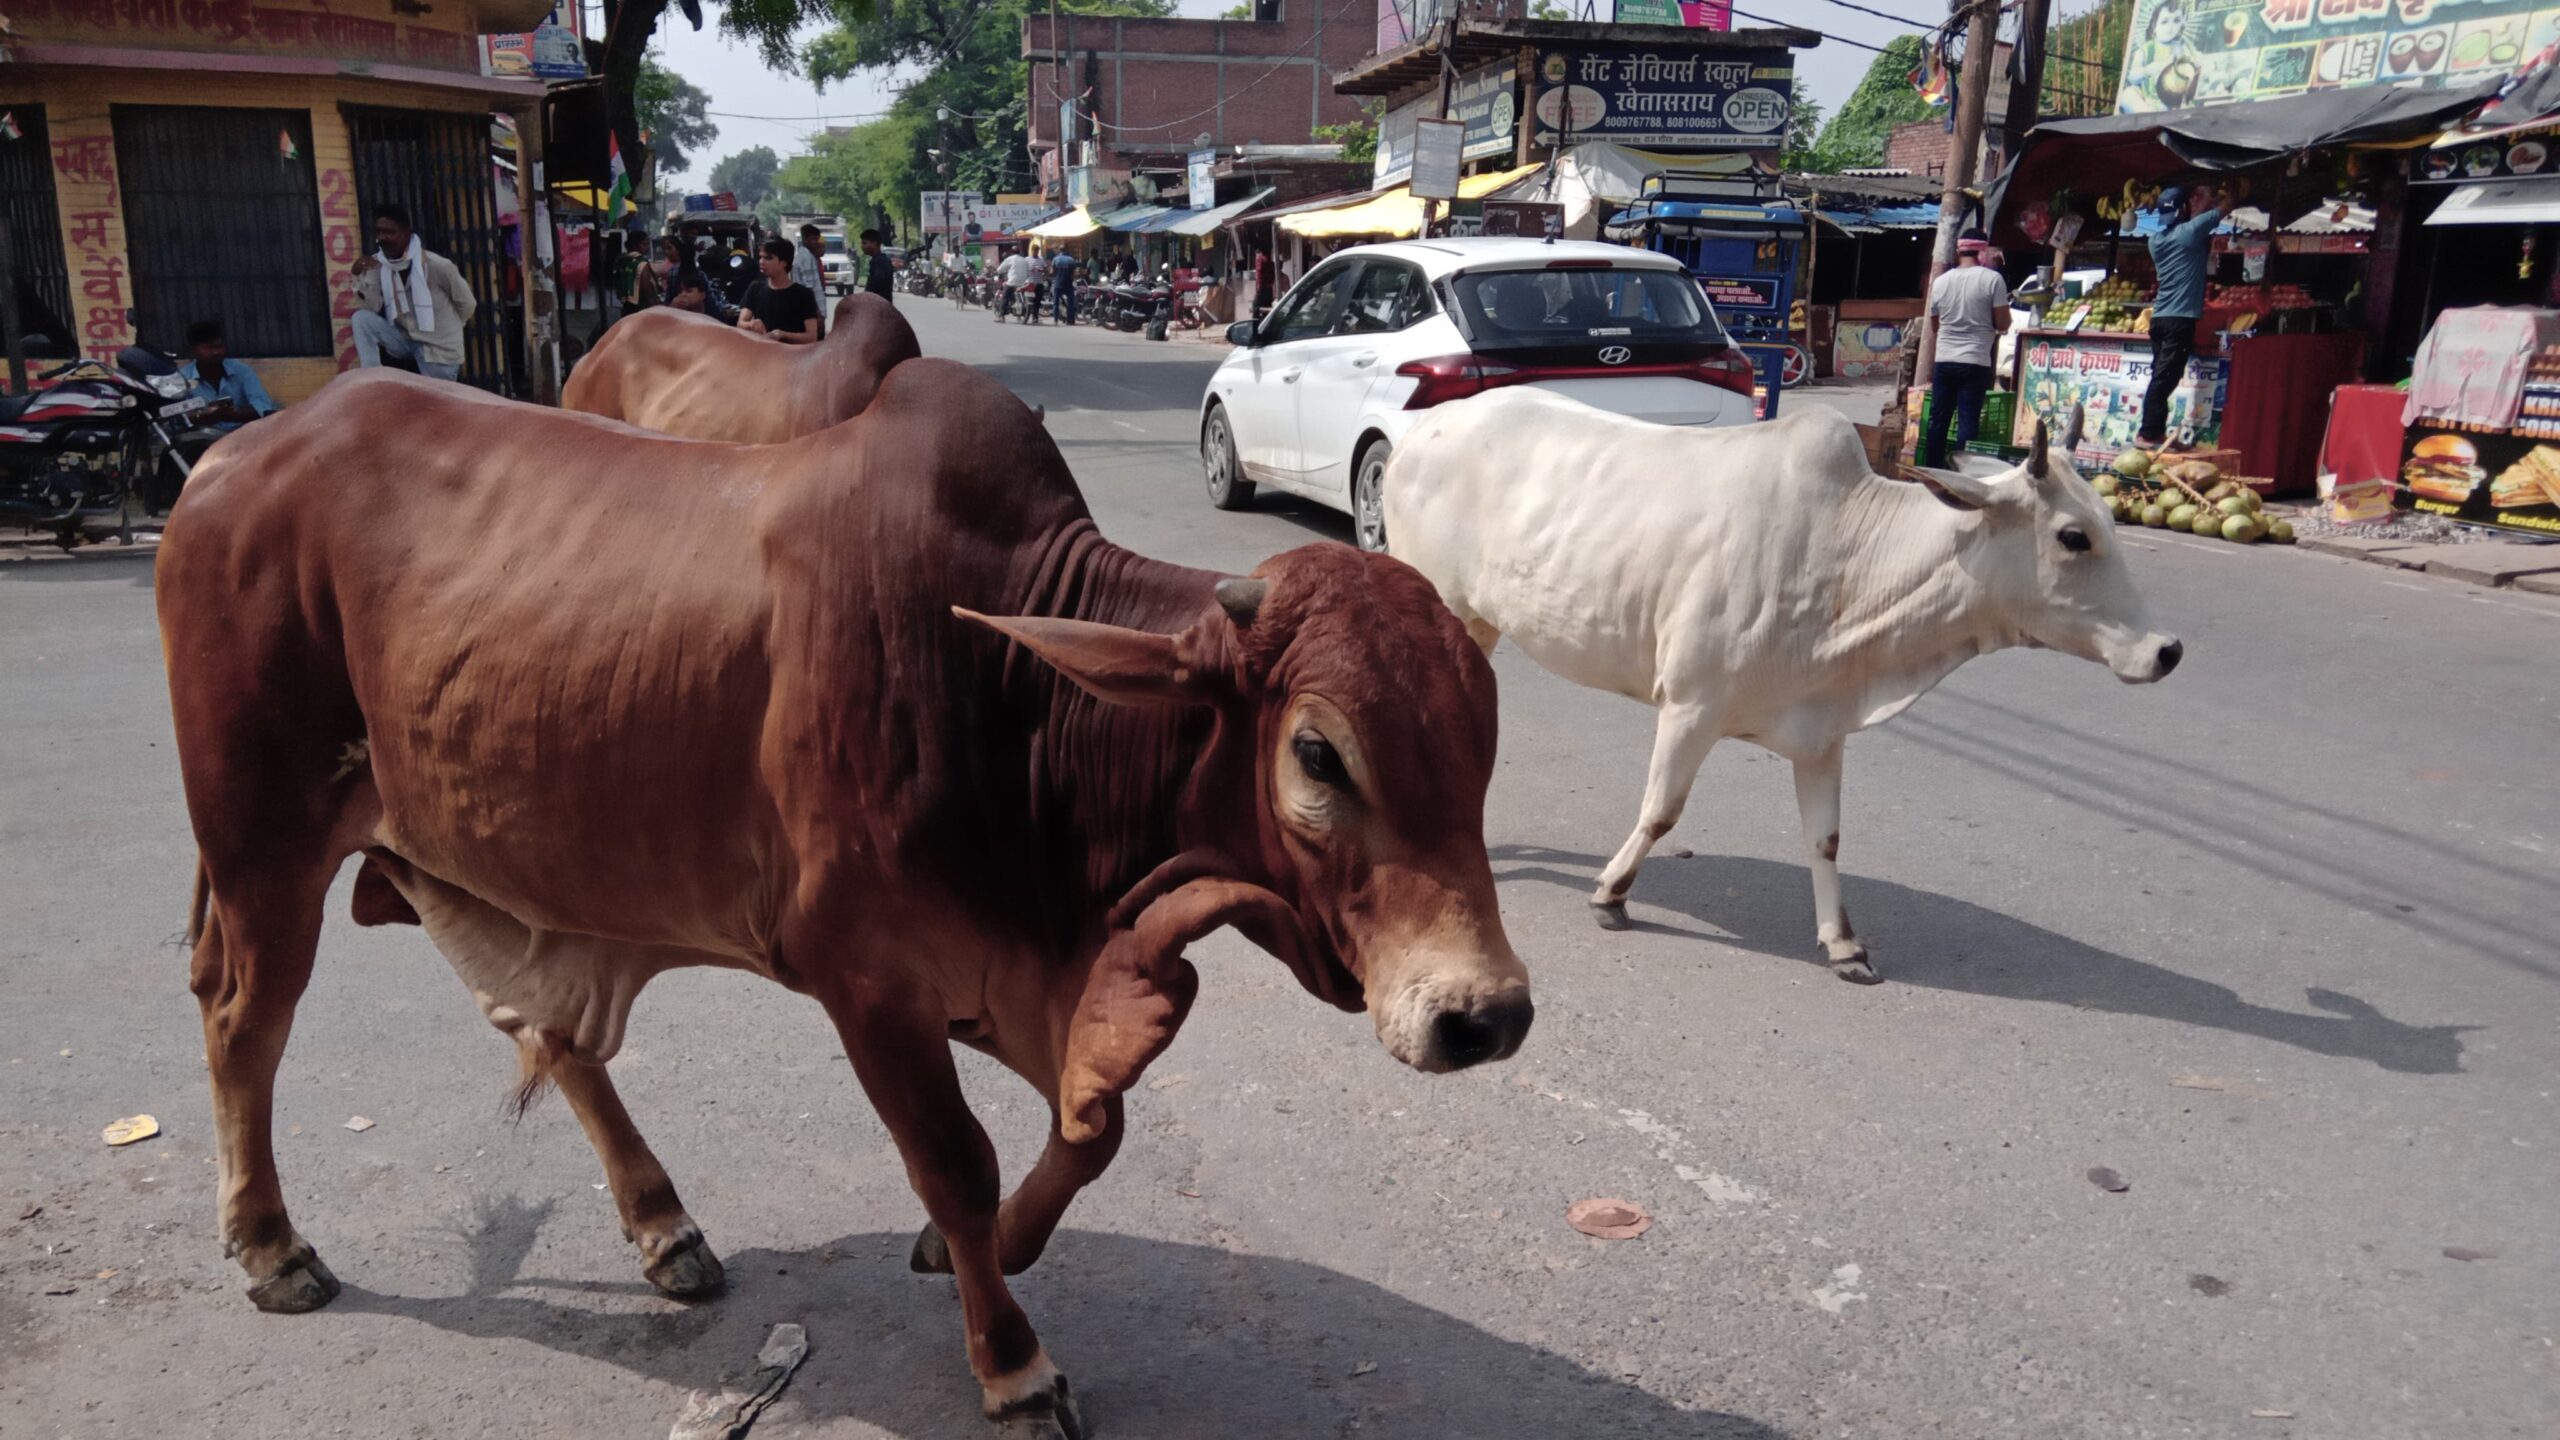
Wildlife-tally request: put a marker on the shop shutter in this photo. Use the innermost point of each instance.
(35, 227)
(222, 222)
(438, 166)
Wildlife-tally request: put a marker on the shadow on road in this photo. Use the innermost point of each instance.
(1151, 379)
(1946, 944)
(89, 562)
(1162, 1340)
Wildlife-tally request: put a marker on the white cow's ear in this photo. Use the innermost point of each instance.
(1978, 492)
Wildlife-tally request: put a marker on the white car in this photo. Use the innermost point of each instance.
(1318, 393)
(837, 267)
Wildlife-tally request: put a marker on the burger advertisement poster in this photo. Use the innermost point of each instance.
(2483, 478)
(2180, 53)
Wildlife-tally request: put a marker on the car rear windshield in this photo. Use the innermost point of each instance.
(1573, 310)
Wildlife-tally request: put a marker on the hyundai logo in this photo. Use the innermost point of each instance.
(1615, 354)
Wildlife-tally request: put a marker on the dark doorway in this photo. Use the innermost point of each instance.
(222, 222)
(437, 165)
(35, 229)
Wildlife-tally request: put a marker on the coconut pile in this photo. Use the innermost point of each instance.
(2192, 496)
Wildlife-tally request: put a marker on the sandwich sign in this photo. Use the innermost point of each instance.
(2511, 481)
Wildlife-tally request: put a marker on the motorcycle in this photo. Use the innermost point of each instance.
(74, 456)
(1023, 302)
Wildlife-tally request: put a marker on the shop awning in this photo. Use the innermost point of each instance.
(1393, 212)
(1128, 218)
(2500, 202)
(1074, 225)
(2096, 155)
(1208, 222)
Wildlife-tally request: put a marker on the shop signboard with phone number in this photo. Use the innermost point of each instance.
(2181, 53)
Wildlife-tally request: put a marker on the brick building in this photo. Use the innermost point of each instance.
(1142, 93)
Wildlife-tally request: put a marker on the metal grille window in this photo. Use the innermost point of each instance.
(437, 165)
(222, 222)
(35, 228)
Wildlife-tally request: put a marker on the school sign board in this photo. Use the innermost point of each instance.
(1634, 95)
(2182, 53)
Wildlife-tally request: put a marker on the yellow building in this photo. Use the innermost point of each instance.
(165, 161)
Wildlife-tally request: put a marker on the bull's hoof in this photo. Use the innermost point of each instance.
(302, 1286)
(1612, 914)
(688, 1272)
(932, 1255)
(1855, 969)
(1052, 1416)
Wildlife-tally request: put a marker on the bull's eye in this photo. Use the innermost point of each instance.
(2074, 538)
(1320, 760)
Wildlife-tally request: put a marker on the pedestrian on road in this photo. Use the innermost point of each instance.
(1266, 281)
(1062, 285)
(778, 305)
(879, 272)
(1971, 307)
(809, 262)
(695, 292)
(2180, 256)
(412, 303)
(1013, 278)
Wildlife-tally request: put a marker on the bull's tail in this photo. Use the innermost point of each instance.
(538, 1053)
(197, 903)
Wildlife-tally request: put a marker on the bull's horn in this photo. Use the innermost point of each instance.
(1242, 599)
(2035, 451)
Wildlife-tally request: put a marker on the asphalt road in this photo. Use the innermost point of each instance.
(2273, 940)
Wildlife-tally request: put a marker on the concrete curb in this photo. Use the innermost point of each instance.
(2490, 564)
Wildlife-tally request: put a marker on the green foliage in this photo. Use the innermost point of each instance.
(1857, 133)
(748, 174)
(673, 111)
(967, 57)
(1803, 154)
(1241, 10)
(1358, 138)
(862, 172)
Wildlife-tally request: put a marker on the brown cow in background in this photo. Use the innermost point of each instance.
(878, 714)
(679, 373)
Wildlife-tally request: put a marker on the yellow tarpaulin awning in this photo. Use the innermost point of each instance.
(1074, 225)
(1393, 213)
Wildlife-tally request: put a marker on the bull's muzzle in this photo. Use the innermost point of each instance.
(1490, 1029)
(1440, 1023)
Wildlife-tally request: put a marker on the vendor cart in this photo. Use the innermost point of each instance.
(1743, 242)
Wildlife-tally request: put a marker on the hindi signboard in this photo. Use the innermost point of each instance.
(2182, 53)
(1691, 14)
(1636, 95)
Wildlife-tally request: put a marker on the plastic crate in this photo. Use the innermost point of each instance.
(1999, 410)
(1997, 449)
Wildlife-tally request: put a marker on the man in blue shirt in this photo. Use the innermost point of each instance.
(2181, 258)
(232, 393)
(1062, 285)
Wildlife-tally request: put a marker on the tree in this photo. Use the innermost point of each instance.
(860, 172)
(747, 174)
(630, 24)
(1803, 156)
(1358, 138)
(1857, 133)
(969, 53)
(674, 112)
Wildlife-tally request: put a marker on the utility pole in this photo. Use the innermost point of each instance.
(2026, 89)
(1973, 90)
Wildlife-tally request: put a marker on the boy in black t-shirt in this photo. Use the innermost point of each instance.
(777, 307)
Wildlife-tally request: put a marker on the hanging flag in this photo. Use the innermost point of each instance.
(9, 126)
(1931, 79)
(285, 148)
(620, 194)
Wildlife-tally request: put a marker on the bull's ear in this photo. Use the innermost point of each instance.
(1977, 491)
(1109, 662)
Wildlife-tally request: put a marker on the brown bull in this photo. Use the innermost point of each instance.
(680, 373)
(878, 714)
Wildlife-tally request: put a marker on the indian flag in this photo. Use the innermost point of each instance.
(1931, 79)
(285, 148)
(620, 194)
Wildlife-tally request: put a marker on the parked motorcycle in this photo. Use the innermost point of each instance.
(76, 455)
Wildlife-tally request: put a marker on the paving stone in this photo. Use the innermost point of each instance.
(2399, 554)
(2494, 563)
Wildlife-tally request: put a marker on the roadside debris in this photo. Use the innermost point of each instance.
(62, 1287)
(1365, 1367)
(33, 1210)
(2213, 1286)
(2465, 1252)
(2270, 1414)
(359, 1124)
(2108, 1180)
(1603, 1218)
(2216, 1082)
(126, 1131)
(727, 1415)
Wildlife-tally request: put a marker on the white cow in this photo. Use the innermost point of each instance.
(1758, 582)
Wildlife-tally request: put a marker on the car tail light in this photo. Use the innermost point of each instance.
(1729, 368)
(1453, 377)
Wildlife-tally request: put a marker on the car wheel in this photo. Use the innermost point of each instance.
(1228, 489)
(1369, 499)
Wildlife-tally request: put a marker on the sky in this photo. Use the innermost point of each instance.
(740, 85)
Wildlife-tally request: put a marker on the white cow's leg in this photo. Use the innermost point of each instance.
(1818, 801)
(1682, 737)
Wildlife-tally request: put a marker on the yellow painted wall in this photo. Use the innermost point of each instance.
(76, 103)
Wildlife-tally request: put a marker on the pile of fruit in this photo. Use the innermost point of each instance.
(2116, 305)
(2141, 488)
(2256, 297)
